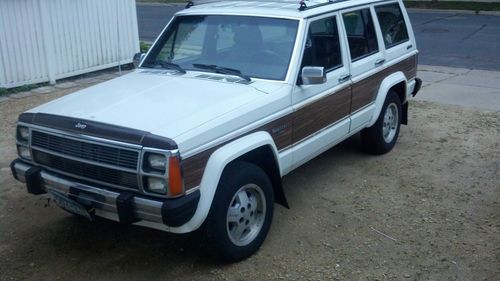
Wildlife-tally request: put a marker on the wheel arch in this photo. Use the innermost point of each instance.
(397, 82)
(264, 158)
(247, 148)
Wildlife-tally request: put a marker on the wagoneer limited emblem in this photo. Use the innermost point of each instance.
(81, 125)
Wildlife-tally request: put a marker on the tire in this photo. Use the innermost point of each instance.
(381, 137)
(236, 231)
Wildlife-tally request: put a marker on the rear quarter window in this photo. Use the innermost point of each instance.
(392, 24)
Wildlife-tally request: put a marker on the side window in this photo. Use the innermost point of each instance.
(392, 24)
(360, 33)
(323, 45)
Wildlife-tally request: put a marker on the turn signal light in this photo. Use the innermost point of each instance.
(175, 183)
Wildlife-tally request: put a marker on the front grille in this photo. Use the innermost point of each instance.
(89, 151)
(86, 160)
(85, 170)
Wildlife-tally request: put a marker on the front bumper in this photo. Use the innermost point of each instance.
(121, 206)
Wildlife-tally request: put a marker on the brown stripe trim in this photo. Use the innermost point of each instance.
(308, 120)
(365, 91)
(320, 114)
(194, 166)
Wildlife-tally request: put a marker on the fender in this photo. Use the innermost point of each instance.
(386, 84)
(213, 171)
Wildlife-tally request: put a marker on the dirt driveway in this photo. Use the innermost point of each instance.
(429, 210)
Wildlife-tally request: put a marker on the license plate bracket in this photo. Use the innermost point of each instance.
(69, 205)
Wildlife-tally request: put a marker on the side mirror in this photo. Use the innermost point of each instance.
(138, 59)
(313, 75)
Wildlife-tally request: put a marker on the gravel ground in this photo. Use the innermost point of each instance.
(429, 210)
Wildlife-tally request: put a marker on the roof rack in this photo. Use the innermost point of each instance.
(302, 3)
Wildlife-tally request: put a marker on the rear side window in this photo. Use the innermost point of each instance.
(360, 33)
(323, 45)
(392, 24)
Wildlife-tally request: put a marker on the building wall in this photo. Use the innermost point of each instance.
(46, 40)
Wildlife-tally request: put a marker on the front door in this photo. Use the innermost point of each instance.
(321, 112)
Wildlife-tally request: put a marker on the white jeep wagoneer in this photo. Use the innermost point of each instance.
(231, 97)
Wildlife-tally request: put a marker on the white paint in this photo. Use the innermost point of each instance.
(320, 142)
(213, 171)
(385, 86)
(45, 40)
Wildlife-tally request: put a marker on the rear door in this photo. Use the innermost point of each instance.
(366, 59)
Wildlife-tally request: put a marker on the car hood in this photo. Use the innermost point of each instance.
(149, 100)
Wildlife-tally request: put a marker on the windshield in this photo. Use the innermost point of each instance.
(253, 47)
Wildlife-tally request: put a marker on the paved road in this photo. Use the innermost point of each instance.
(444, 39)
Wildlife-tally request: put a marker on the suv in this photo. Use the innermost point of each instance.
(231, 97)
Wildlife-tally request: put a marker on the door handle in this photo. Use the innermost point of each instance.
(344, 78)
(379, 62)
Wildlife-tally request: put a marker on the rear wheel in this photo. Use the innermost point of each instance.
(381, 137)
(241, 212)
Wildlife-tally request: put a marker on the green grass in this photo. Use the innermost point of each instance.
(144, 47)
(453, 5)
(19, 89)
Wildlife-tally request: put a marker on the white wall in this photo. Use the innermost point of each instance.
(46, 40)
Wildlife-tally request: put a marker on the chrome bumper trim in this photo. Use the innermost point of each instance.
(104, 201)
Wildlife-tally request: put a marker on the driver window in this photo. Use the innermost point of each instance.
(323, 45)
(392, 24)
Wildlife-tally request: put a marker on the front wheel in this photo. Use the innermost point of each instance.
(241, 212)
(381, 137)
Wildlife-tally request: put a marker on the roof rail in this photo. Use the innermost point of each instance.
(302, 3)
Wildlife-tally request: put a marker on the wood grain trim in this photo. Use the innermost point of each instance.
(307, 120)
(320, 114)
(194, 166)
(365, 91)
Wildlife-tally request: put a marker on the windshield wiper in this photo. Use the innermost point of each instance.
(164, 64)
(222, 70)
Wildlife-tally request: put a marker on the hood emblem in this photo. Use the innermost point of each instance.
(81, 125)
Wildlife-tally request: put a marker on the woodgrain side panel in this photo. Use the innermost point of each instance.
(309, 119)
(320, 114)
(365, 91)
(194, 166)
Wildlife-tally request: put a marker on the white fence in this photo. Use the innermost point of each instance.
(46, 40)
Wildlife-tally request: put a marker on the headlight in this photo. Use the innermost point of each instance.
(156, 161)
(24, 152)
(161, 173)
(157, 185)
(23, 133)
